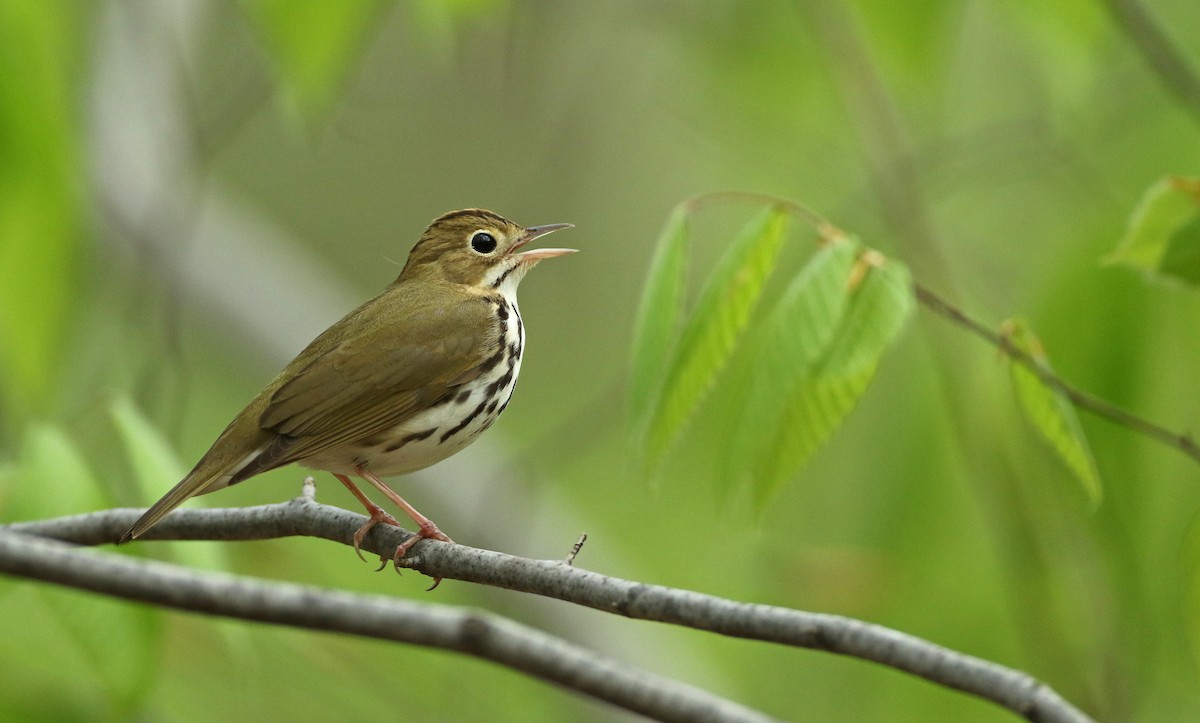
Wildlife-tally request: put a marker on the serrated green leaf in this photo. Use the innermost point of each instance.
(716, 325)
(1050, 413)
(815, 408)
(1168, 206)
(656, 328)
(826, 337)
(879, 306)
(313, 44)
(796, 334)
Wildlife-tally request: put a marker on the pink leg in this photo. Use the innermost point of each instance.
(375, 511)
(426, 526)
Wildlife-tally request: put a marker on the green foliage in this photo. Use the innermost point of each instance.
(712, 329)
(658, 317)
(1163, 237)
(816, 354)
(933, 517)
(40, 246)
(117, 641)
(313, 45)
(113, 639)
(1051, 414)
(822, 344)
(50, 477)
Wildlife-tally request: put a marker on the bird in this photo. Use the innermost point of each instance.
(407, 379)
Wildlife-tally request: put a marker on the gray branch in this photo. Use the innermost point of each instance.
(480, 634)
(504, 641)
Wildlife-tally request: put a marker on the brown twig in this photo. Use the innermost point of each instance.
(1081, 399)
(570, 559)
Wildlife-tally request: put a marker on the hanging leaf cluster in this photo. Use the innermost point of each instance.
(807, 360)
(812, 356)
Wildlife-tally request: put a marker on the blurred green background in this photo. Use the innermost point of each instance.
(190, 191)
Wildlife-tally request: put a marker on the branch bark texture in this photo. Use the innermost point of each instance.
(1010, 688)
(476, 633)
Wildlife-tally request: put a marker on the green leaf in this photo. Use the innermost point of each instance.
(715, 326)
(155, 465)
(55, 471)
(658, 318)
(799, 329)
(116, 639)
(313, 44)
(50, 478)
(40, 242)
(1182, 257)
(1050, 413)
(824, 341)
(1162, 237)
(815, 408)
(880, 304)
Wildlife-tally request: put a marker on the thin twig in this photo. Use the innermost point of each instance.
(1181, 441)
(704, 200)
(1010, 688)
(574, 552)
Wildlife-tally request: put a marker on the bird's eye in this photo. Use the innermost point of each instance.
(483, 242)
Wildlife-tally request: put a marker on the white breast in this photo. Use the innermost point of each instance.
(447, 428)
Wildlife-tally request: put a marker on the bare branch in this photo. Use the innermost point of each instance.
(476, 633)
(554, 578)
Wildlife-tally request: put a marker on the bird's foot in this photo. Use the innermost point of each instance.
(377, 515)
(426, 530)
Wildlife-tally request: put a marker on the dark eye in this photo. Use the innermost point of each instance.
(483, 242)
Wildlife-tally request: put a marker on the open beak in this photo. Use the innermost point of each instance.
(538, 254)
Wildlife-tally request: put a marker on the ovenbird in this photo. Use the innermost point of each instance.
(402, 382)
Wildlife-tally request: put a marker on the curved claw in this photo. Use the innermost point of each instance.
(377, 516)
(359, 534)
(431, 532)
(426, 526)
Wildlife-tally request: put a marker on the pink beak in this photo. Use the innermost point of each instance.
(538, 254)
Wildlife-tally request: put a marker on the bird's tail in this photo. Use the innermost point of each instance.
(197, 482)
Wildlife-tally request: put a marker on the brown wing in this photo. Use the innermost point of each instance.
(406, 355)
